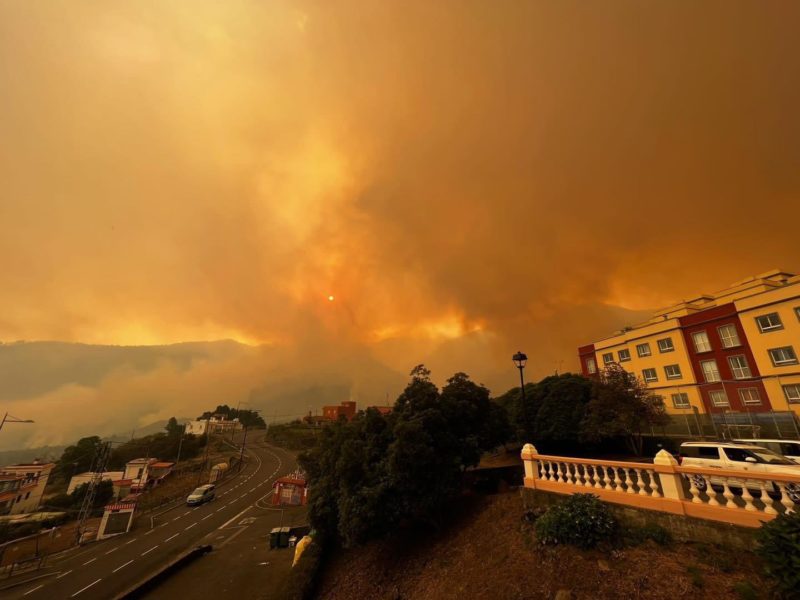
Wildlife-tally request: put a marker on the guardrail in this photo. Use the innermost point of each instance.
(738, 497)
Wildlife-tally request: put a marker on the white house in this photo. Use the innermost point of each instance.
(81, 478)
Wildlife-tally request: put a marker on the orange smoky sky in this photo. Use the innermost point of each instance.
(464, 178)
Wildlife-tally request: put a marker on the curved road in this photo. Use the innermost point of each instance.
(107, 568)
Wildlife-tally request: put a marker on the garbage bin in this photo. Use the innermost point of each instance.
(283, 537)
(273, 538)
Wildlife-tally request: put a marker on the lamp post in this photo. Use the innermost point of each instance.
(7, 418)
(520, 359)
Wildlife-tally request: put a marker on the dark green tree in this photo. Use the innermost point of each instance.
(621, 407)
(77, 458)
(174, 429)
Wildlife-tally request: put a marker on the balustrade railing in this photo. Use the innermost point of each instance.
(738, 497)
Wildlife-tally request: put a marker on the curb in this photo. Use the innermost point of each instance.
(32, 579)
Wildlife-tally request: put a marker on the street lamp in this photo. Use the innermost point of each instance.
(7, 418)
(520, 358)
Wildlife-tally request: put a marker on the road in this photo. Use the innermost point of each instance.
(104, 569)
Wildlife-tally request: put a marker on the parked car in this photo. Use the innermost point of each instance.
(205, 493)
(788, 448)
(738, 457)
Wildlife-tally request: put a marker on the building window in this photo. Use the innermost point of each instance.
(729, 336)
(624, 355)
(608, 358)
(665, 345)
(710, 370)
(797, 312)
(739, 367)
(672, 371)
(701, 343)
(650, 375)
(643, 350)
(770, 322)
(28, 495)
(783, 356)
(681, 400)
(749, 396)
(718, 398)
(792, 392)
(591, 366)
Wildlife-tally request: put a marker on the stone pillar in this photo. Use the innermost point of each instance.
(671, 481)
(531, 473)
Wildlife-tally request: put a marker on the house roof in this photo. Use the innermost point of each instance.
(163, 465)
(291, 481)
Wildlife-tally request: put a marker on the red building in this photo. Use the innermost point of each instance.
(723, 364)
(345, 409)
(290, 490)
(588, 360)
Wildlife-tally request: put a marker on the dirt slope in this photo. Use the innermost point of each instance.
(490, 553)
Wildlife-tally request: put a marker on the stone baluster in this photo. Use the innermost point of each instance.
(768, 508)
(728, 494)
(628, 481)
(617, 480)
(785, 500)
(640, 482)
(748, 499)
(606, 479)
(589, 479)
(712, 495)
(651, 475)
(597, 477)
(548, 476)
(694, 491)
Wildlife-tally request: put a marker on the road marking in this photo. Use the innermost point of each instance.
(234, 518)
(186, 513)
(40, 586)
(89, 561)
(122, 566)
(113, 550)
(178, 517)
(148, 532)
(86, 588)
(172, 537)
(207, 516)
(63, 574)
(151, 549)
(190, 526)
(129, 542)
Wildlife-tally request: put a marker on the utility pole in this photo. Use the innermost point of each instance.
(241, 453)
(205, 458)
(99, 463)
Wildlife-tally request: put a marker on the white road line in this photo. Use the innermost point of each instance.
(234, 518)
(190, 526)
(172, 537)
(207, 516)
(122, 566)
(63, 574)
(129, 542)
(186, 513)
(220, 508)
(149, 532)
(151, 549)
(113, 550)
(178, 517)
(38, 587)
(86, 588)
(89, 561)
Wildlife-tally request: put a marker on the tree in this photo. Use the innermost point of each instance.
(621, 406)
(561, 404)
(173, 428)
(77, 458)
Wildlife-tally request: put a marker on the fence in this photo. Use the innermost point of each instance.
(689, 423)
(665, 486)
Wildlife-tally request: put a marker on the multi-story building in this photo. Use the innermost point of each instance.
(735, 350)
(22, 486)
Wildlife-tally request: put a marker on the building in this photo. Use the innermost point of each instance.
(734, 351)
(217, 423)
(22, 486)
(81, 478)
(138, 472)
(345, 409)
(290, 490)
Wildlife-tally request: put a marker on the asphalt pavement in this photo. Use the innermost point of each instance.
(104, 569)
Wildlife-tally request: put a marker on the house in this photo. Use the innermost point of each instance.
(22, 486)
(138, 471)
(217, 423)
(345, 409)
(78, 480)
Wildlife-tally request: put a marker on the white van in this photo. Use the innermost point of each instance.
(788, 448)
(738, 457)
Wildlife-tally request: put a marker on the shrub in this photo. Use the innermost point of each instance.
(779, 547)
(580, 520)
(656, 533)
(304, 576)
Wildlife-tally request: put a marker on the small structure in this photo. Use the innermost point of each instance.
(218, 472)
(217, 423)
(158, 471)
(78, 480)
(138, 471)
(22, 486)
(117, 518)
(291, 490)
(122, 487)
